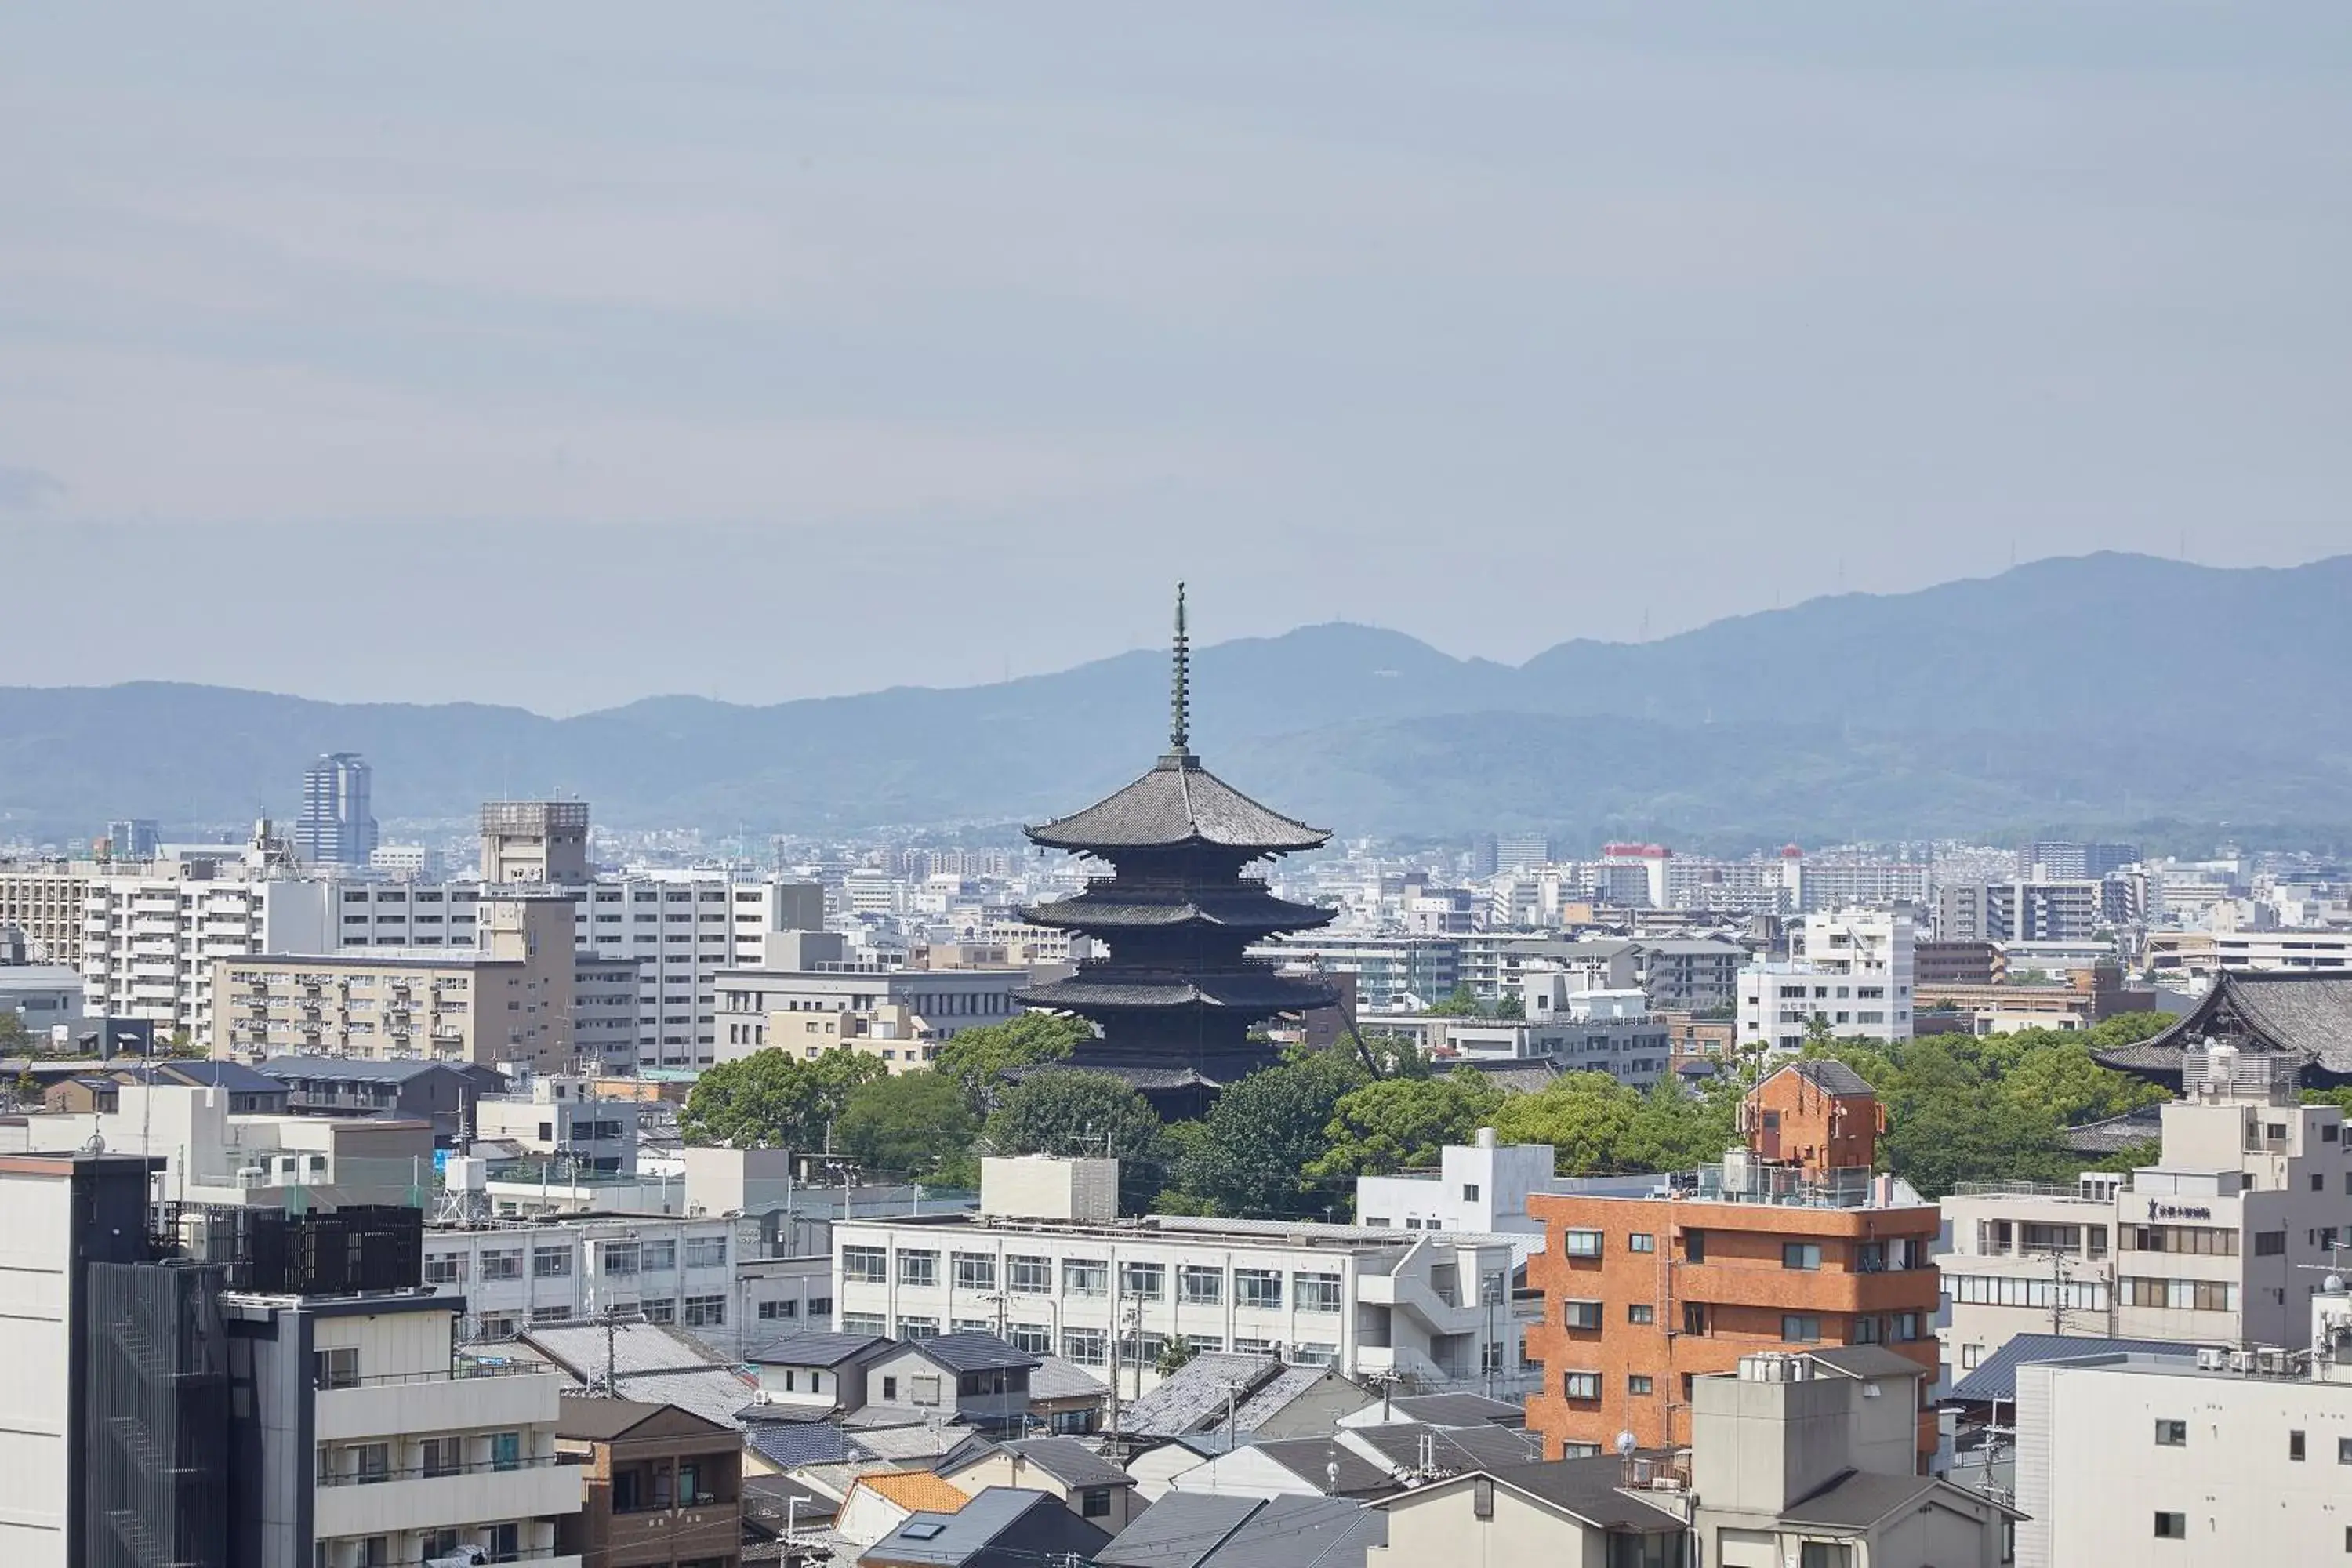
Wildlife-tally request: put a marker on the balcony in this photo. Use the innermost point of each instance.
(536, 1487)
(470, 1399)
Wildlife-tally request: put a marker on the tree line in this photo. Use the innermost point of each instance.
(1289, 1141)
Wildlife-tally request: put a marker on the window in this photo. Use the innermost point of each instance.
(1800, 1255)
(2172, 1527)
(1579, 1244)
(706, 1252)
(337, 1368)
(1824, 1554)
(772, 1311)
(1695, 1318)
(659, 1256)
(445, 1269)
(1637, 1383)
(1694, 1246)
(1095, 1503)
(705, 1311)
(1801, 1327)
(920, 1269)
(2294, 1448)
(1584, 1385)
(1869, 1330)
(443, 1455)
(1469, 1192)
(551, 1263)
(506, 1450)
(1084, 1277)
(862, 1322)
(504, 1264)
(2172, 1434)
(1642, 1241)
(1199, 1286)
(550, 1315)
(1087, 1347)
(917, 1328)
(1257, 1288)
(2181, 1295)
(618, 1259)
(1641, 1312)
(1144, 1281)
(1315, 1292)
(975, 1271)
(1031, 1338)
(2269, 1243)
(2344, 1451)
(1579, 1314)
(866, 1265)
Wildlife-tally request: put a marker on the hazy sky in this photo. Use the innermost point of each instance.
(565, 353)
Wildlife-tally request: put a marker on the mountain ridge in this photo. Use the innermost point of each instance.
(2057, 690)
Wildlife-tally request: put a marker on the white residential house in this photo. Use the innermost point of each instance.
(1853, 973)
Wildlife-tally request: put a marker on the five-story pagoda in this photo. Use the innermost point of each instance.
(1175, 997)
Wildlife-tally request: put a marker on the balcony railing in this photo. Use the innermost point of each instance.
(456, 1372)
(435, 1472)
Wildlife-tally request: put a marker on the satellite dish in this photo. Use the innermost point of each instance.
(2333, 1285)
(1626, 1444)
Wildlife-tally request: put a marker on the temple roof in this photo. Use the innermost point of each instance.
(2308, 1014)
(1104, 907)
(1179, 802)
(1250, 992)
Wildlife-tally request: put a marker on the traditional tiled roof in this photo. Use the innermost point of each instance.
(1192, 1398)
(1181, 1530)
(819, 1348)
(1251, 991)
(1481, 1448)
(2115, 1133)
(1178, 802)
(2305, 1013)
(1065, 1460)
(791, 1445)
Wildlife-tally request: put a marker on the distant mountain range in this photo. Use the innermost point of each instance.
(2095, 692)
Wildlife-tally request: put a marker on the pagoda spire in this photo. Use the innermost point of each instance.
(1179, 702)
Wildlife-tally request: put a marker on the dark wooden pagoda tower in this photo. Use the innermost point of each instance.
(1176, 997)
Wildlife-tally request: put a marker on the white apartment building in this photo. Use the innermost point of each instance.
(681, 928)
(2216, 1457)
(2219, 1242)
(713, 1276)
(1853, 973)
(1436, 1308)
(150, 942)
(2172, 954)
(561, 1116)
(417, 1455)
(1578, 1031)
(1819, 886)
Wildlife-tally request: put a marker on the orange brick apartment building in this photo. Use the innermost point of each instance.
(1791, 1243)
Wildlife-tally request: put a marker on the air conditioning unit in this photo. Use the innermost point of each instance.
(2211, 1360)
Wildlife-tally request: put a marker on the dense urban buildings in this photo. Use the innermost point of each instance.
(1791, 1242)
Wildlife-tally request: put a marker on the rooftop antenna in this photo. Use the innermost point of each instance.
(1180, 703)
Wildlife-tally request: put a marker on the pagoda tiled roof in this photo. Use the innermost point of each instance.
(1247, 907)
(1251, 993)
(1179, 803)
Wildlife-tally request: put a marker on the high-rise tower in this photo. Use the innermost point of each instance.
(1175, 996)
(338, 822)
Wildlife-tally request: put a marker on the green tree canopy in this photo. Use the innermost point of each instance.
(1249, 1156)
(1463, 1004)
(769, 1101)
(13, 1036)
(915, 1124)
(981, 1060)
(1401, 1123)
(1587, 1117)
(1066, 1112)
